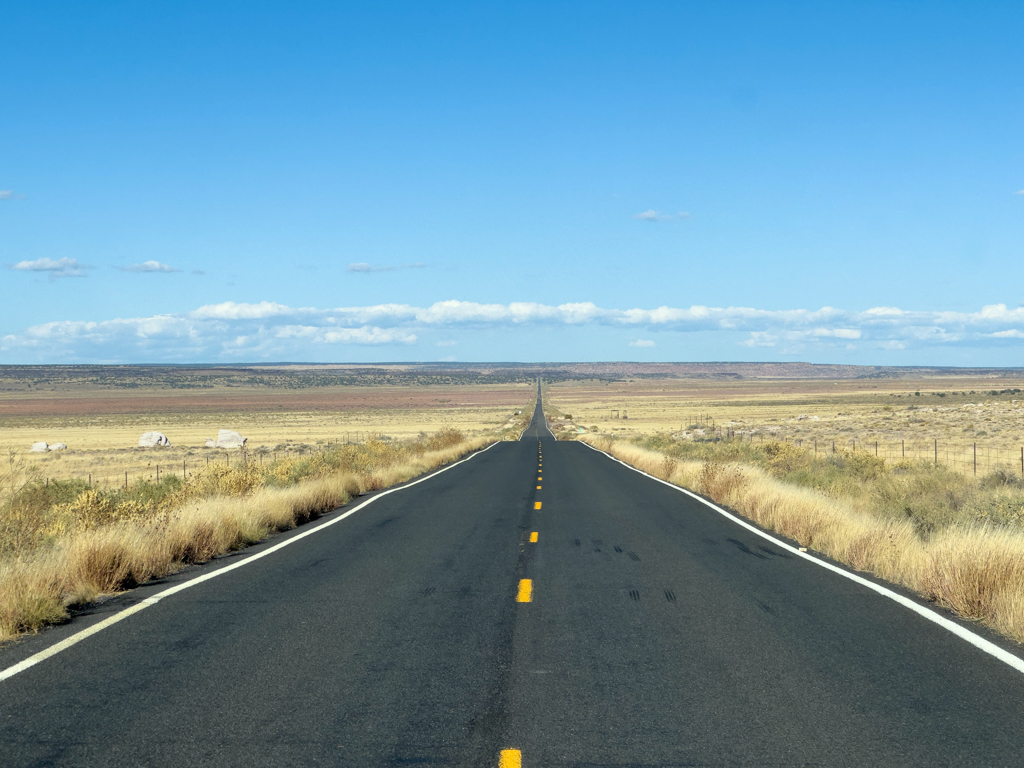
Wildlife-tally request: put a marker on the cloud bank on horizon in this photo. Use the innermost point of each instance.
(272, 331)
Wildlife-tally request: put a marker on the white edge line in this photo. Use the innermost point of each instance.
(962, 632)
(78, 637)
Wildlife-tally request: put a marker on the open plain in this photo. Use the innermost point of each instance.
(535, 604)
(100, 413)
(950, 415)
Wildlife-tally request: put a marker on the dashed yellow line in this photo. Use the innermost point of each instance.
(510, 758)
(525, 594)
(538, 487)
(536, 505)
(533, 537)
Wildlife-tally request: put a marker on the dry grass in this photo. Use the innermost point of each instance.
(101, 426)
(91, 549)
(976, 570)
(902, 415)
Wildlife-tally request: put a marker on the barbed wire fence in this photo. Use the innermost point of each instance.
(189, 465)
(970, 458)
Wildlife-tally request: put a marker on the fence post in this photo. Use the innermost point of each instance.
(876, 448)
(903, 448)
(90, 479)
(126, 481)
(184, 469)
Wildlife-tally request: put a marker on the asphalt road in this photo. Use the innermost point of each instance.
(657, 633)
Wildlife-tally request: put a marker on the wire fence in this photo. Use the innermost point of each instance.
(189, 465)
(970, 458)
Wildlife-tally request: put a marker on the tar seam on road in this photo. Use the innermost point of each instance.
(976, 640)
(63, 645)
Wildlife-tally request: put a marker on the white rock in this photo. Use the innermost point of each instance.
(210, 443)
(228, 439)
(154, 439)
(58, 447)
(39, 448)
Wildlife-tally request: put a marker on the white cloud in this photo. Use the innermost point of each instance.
(10, 194)
(229, 310)
(362, 266)
(759, 339)
(63, 267)
(270, 330)
(149, 266)
(838, 333)
(657, 216)
(363, 335)
(367, 335)
(1019, 192)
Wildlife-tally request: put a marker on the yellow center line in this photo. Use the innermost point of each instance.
(525, 594)
(536, 505)
(538, 487)
(533, 537)
(510, 758)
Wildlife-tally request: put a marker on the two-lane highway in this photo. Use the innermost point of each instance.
(539, 604)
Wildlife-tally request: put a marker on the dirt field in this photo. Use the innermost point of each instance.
(101, 422)
(100, 412)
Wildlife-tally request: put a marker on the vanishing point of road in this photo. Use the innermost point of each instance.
(538, 604)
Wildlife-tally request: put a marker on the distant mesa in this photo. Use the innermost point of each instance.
(154, 440)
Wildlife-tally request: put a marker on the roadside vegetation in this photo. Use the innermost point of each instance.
(64, 543)
(954, 539)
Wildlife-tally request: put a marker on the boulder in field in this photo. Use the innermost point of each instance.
(154, 440)
(229, 439)
(58, 447)
(39, 448)
(211, 443)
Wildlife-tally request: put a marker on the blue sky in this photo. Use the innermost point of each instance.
(219, 182)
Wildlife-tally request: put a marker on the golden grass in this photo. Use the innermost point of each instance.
(102, 440)
(38, 585)
(905, 417)
(975, 570)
